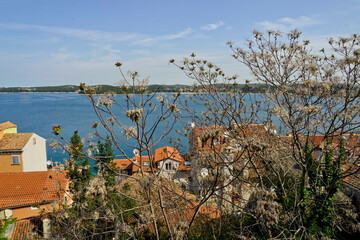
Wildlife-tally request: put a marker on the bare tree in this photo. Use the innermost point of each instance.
(312, 97)
(263, 181)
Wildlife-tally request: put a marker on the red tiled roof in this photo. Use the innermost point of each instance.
(144, 160)
(186, 213)
(183, 167)
(219, 133)
(168, 153)
(6, 125)
(27, 229)
(123, 164)
(353, 180)
(160, 154)
(29, 188)
(14, 141)
(351, 141)
(126, 164)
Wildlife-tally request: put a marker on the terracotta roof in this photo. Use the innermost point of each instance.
(123, 164)
(160, 154)
(183, 167)
(186, 213)
(351, 141)
(6, 125)
(214, 136)
(353, 179)
(14, 141)
(166, 153)
(145, 163)
(27, 229)
(29, 188)
(126, 164)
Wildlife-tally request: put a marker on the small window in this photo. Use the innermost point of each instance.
(146, 163)
(15, 160)
(168, 166)
(34, 141)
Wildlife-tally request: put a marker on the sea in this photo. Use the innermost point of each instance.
(39, 112)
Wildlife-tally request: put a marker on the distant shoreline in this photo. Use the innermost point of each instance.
(154, 88)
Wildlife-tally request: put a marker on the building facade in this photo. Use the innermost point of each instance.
(21, 152)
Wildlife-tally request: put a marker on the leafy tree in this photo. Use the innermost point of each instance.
(105, 164)
(79, 172)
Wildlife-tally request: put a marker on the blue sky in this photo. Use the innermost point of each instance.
(58, 42)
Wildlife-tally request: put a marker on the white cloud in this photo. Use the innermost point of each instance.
(287, 23)
(91, 35)
(212, 26)
(178, 35)
(96, 36)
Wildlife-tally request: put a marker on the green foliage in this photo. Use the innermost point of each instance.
(323, 184)
(104, 163)
(79, 172)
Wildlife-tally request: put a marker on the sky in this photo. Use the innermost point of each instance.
(59, 42)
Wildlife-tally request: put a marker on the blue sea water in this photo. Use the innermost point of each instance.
(39, 112)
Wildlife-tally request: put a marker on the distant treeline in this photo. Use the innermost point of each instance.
(99, 89)
(253, 88)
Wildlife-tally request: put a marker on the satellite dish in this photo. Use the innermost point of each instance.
(136, 152)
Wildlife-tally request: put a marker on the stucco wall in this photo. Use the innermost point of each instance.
(25, 212)
(34, 154)
(168, 173)
(6, 166)
(11, 130)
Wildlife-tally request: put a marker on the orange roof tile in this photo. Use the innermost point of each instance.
(27, 229)
(145, 163)
(186, 213)
(220, 132)
(183, 167)
(6, 125)
(123, 164)
(166, 153)
(126, 164)
(14, 141)
(351, 141)
(160, 154)
(28, 188)
(353, 180)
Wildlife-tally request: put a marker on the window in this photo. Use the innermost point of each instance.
(168, 166)
(146, 163)
(34, 141)
(15, 160)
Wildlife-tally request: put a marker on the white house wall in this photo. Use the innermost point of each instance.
(34, 154)
(168, 173)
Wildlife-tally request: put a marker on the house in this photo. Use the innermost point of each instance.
(319, 142)
(21, 152)
(166, 162)
(28, 194)
(223, 153)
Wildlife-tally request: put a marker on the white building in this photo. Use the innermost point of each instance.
(21, 152)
